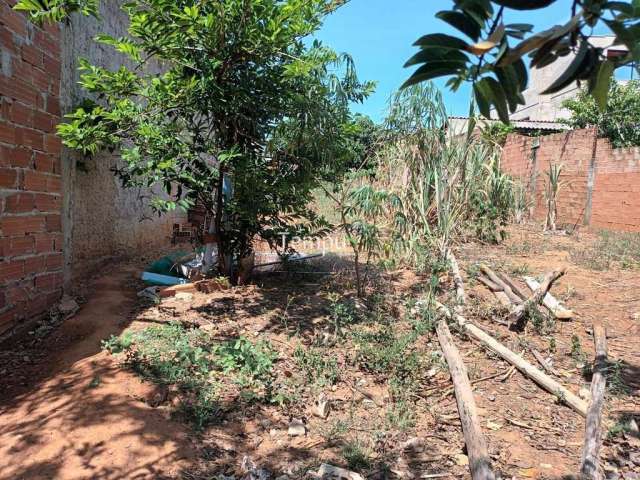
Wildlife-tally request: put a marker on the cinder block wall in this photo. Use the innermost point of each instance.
(62, 217)
(31, 259)
(601, 184)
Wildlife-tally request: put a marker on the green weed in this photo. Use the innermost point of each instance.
(320, 369)
(357, 456)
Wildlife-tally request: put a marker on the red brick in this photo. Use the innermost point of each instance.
(7, 319)
(13, 20)
(34, 265)
(18, 90)
(6, 38)
(54, 184)
(35, 181)
(33, 55)
(19, 203)
(47, 203)
(8, 178)
(54, 223)
(3, 301)
(30, 138)
(45, 242)
(49, 281)
(44, 121)
(19, 294)
(21, 245)
(15, 157)
(14, 226)
(53, 105)
(21, 114)
(53, 144)
(44, 162)
(37, 305)
(47, 43)
(7, 133)
(11, 271)
(53, 67)
(54, 262)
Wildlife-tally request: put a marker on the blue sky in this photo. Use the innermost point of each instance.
(379, 35)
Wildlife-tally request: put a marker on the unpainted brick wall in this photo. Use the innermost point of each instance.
(615, 199)
(30, 178)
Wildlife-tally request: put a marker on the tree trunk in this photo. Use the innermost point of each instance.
(479, 461)
(593, 431)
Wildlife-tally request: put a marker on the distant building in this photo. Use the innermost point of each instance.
(548, 108)
(543, 113)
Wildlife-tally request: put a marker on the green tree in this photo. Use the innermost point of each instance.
(486, 56)
(619, 121)
(223, 125)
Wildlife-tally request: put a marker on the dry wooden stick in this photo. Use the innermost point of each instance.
(543, 363)
(516, 289)
(503, 299)
(461, 297)
(593, 430)
(550, 301)
(541, 378)
(498, 281)
(489, 284)
(479, 461)
(518, 316)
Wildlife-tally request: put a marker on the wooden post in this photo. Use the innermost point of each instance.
(479, 462)
(593, 429)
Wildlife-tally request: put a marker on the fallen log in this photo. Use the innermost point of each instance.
(541, 378)
(457, 278)
(489, 284)
(503, 299)
(593, 428)
(549, 301)
(479, 461)
(513, 286)
(518, 316)
(498, 281)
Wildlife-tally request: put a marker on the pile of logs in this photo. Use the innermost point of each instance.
(511, 296)
(479, 460)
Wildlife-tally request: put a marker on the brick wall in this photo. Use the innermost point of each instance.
(601, 184)
(30, 178)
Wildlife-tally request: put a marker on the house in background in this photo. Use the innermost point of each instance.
(542, 114)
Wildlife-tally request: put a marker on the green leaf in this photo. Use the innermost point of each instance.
(461, 22)
(499, 99)
(572, 72)
(437, 54)
(524, 4)
(601, 88)
(432, 70)
(482, 94)
(508, 78)
(522, 74)
(440, 40)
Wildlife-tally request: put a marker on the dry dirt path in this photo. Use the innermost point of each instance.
(76, 415)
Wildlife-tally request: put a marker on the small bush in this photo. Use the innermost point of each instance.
(357, 456)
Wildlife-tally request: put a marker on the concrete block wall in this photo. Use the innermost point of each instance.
(600, 183)
(31, 260)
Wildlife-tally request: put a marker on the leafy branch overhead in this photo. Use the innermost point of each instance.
(491, 53)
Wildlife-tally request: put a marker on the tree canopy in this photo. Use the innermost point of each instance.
(619, 121)
(241, 98)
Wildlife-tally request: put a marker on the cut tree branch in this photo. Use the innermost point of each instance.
(593, 429)
(518, 316)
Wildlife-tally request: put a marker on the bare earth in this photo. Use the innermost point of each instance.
(70, 411)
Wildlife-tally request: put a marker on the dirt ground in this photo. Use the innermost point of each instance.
(69, 410)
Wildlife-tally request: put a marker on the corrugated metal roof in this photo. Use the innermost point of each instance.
(525, 124)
